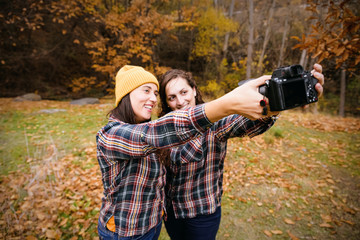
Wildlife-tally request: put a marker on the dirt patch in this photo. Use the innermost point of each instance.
(347, 199)
(323, 122)
(7, 105)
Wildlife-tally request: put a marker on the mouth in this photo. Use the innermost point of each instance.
(149, 107)
(184, 106)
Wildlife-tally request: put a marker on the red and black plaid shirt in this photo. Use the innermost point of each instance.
(195, 188)
(132, 175)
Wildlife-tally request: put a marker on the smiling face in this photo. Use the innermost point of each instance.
(143, 100)
(179, 94)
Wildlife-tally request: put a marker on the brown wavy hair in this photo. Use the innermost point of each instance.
(164, 80)
(173, 74)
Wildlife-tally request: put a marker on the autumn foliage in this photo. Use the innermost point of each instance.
(337, 36)
(65, 49)
(299, 180)
(59, 47)
(58, 198)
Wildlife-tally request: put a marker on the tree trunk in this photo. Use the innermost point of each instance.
(304, 54)
(226, 41)
(283, 43)
(191, 45)
(251, 39)
(266, 38)
(303, 58)
(342, 92)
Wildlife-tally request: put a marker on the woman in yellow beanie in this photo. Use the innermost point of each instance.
(127, 149)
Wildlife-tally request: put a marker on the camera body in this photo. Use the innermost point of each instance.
(289, 87)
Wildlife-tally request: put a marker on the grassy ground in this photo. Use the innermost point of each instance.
(300, 180)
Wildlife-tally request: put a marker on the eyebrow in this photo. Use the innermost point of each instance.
(174, 94)
(148, 87)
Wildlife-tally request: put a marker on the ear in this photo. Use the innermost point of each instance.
(194, 90)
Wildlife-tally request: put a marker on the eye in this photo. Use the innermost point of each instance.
(184, 92)
(171, 98)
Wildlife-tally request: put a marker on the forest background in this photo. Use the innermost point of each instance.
(299, 180)
(65, 49)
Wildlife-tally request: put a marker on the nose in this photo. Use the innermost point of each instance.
(180, 101)
(153, 97)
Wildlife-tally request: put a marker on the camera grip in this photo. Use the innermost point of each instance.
(263, 89)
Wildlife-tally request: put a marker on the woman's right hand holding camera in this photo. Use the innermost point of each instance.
(248, 101)
(243, 100)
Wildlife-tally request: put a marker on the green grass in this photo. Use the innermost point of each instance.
(292, 172)
(25, 136)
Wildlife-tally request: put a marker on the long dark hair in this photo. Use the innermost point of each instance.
(124, 112)
(166, 78)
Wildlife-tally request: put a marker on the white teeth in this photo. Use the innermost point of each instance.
(148, 107)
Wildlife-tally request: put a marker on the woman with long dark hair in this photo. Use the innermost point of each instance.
(194, 190)
(130, 149)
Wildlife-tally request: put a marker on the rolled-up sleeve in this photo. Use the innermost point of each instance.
(124, 141)
(240, 126)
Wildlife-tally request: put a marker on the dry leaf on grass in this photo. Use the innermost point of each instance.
(289, 221)
(325, 225)
(277, 232)
(292, 236)
(348, 222)
(268, 233)
(326, 218)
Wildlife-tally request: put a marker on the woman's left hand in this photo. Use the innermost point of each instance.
(317, 73)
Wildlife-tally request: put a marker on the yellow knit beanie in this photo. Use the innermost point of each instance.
(130, 77)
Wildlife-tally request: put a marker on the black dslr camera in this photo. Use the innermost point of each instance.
(289, 87)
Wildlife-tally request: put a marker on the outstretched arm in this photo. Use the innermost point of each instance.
(243, 100)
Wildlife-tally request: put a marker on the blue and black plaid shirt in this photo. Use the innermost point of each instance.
(195, 188)
(132, 174)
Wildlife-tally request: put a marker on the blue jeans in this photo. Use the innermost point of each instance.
(105, 234)
(202, 227)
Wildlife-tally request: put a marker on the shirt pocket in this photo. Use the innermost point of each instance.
(193, 151)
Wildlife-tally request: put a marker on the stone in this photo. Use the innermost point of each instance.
(84, 101)
(28, 97)
(50, 111)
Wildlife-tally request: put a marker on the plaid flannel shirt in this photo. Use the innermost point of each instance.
(195, 188)
(132, 175)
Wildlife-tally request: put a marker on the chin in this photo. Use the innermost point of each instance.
(144, 119)
(147, 118)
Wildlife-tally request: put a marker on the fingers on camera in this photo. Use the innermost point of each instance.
(263, 104)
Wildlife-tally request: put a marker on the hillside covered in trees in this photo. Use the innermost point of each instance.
(64, 49)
